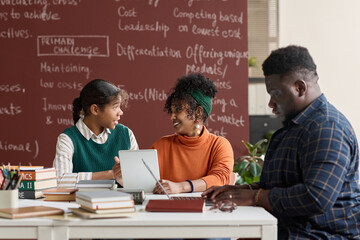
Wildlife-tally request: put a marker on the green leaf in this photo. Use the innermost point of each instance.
(248, 180)
(255, 169)
(257, 145)
(243, 165)
(248, 145)
(257, 179)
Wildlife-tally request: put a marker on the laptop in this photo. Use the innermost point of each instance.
(207, 201)
(135, 175)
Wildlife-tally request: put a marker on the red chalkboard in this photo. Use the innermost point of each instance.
(50, 49)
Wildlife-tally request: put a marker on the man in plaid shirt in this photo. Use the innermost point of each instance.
(311, 170)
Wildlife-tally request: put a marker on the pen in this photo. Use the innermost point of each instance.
(18, 181)
(156, 179)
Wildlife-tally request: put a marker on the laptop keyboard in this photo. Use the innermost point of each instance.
(186, 198)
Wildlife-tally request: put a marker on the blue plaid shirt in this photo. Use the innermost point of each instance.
(311, 167)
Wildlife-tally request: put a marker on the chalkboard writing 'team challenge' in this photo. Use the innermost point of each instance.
(51, 48)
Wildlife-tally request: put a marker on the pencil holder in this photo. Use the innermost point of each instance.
(9, 198)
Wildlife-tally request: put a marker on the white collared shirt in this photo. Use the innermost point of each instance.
(65, 152)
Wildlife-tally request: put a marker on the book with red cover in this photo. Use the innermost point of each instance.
(162, 205)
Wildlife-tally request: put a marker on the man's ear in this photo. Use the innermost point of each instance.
(301, 87)
(94, 109)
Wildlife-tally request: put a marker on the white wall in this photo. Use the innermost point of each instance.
(330, 29)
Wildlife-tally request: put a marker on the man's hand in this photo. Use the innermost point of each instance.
(240, 195)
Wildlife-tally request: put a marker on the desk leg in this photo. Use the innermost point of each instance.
(60, 233)
(44, 233)
(53, 233)
(269, 232)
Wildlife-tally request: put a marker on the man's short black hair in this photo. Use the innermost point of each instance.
(289, 59)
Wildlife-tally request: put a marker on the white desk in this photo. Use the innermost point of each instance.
(246, 222)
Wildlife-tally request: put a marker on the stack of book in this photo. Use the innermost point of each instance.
(96, 185)
(104, 204)
(60, 194)
(35, 180)
(138, 194)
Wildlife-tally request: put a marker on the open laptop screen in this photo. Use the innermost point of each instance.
(134, 173)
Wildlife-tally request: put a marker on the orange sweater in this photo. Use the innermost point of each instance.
(208, 157)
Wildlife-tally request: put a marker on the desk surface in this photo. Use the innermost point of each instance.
(242, 222)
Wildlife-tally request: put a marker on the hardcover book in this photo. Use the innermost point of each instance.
(30, 194)
(96, 184)
(60, 197)
(104, 196)
(27, 212)
(138, 194)
(105, 205)
(38, 174)
(110, 210)
(60, 194)
(61, 191)
(85, 214)
(165, 205)
(37, 185)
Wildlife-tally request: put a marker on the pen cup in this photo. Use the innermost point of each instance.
(9, 198)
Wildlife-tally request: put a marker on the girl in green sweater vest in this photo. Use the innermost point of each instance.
(86, 150)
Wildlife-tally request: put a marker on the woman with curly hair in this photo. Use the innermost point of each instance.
(193, 159)
(86, 150)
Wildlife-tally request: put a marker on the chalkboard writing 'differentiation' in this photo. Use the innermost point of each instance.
(54, 47)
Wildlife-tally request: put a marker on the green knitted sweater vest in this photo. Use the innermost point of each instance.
(90, 156)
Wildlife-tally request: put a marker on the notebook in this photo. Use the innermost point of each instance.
(134, 173)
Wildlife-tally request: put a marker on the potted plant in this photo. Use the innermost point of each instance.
(248, 168)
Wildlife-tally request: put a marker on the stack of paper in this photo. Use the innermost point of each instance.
(104, 204)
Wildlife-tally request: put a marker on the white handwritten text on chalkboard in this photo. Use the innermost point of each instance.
(63, 45)
(46, 67)
(19, 147)
(10, 110)
(155, 51)
(144, 27)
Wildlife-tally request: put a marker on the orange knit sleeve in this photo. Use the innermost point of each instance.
(222, 163)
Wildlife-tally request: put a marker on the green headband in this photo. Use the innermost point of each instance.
(203, 100)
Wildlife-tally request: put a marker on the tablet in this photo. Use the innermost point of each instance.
(134, 173)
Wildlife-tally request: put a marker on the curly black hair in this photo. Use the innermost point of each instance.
(181, 97)
(289, 59)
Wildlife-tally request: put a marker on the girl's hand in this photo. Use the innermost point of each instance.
(117, 171)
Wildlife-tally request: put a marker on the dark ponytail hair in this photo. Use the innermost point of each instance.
(99, 92)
